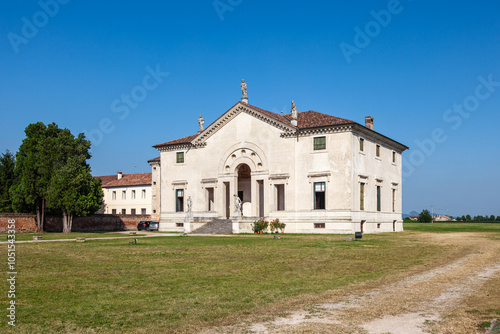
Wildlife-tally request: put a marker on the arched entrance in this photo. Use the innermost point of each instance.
(244, 172)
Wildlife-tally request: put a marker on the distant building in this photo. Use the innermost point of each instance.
(443, 218)
(127, 194)
(414, 217)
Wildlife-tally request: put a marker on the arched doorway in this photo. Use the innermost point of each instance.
(245, 188)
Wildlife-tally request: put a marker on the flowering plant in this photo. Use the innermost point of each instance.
(281, 226)
(260, 225)
(275, 225)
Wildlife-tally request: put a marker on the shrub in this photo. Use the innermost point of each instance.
(260, 225)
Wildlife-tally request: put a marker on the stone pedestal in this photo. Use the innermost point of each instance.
(235, 220)
(187, 223)
(244, 100)
(236, 225)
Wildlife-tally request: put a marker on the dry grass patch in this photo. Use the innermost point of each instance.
(475, 313)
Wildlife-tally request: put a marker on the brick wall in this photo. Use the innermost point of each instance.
(100, 222)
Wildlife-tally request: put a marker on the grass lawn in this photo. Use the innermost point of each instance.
(73, 235)
(183, 284)
(452, 227)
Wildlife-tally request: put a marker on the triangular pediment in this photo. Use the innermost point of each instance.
(275, 120)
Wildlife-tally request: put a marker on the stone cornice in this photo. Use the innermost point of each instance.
(279, 176)
(178, 147)
(352, 127)
(379, 138)
(320, 174)
(306, 132)
(212, 180)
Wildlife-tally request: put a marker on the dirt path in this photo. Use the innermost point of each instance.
(409, 305)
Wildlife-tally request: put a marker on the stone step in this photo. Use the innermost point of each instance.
(216, 226)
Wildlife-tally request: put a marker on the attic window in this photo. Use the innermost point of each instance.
(319, 143)
(180, 157)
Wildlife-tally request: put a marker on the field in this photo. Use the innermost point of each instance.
(74, 235)
(193, 284)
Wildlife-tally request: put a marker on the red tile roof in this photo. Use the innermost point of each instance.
(138, 179)
(183, 140)
(155, 159)
(281, 118)
(305, 119)
(313, 119)
(106, 179)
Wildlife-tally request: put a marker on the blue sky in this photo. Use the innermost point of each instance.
(75, 62)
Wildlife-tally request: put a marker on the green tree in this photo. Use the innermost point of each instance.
(492, 218)
(463, 218)
(498, 219)
(458, 218)
(425, 216)
(468, 218)
(72, 189)
(75, 192)
(7, 176)
(53, 174)
(34, 170)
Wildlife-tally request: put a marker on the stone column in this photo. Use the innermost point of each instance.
(267, 197)
(254, 196)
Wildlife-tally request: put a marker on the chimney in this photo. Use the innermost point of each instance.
(369, 122)
(119, 175)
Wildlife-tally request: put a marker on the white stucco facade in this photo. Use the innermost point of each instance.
(278, 172)
(129, 194)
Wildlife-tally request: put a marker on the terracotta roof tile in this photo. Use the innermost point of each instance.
(312, 119)
(106, 179)
(138, 179)
(281, 118)
(305, 119)
(155, 159)
(183, 140)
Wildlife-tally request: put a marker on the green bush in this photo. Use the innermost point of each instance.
(260, 225)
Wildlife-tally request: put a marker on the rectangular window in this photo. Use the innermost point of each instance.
(280, 197)
(132, 211)
(180, 157)
(319, 195)
(113, 211)
(179, 200)
(361, 196)
(133, 194)
(179, 224)
(143, 211)
(113, 196)
(124, 211)
(319, 143)
(143, 193)
(124, 194)
(361, 144)
(379, 206)
(393, 200)
(377, 151)
(394, 157)
(319, 225)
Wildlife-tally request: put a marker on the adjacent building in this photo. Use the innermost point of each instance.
(127, 194)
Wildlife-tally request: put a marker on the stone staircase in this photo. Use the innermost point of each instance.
(216, 226)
